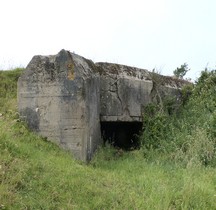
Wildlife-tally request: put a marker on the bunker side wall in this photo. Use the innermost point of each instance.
(59, 117)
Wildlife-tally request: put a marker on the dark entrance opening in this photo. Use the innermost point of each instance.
(124, 135)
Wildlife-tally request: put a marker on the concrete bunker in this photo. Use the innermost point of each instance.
(70, 100)
(124, 135)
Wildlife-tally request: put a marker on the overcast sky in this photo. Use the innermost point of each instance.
(161, 34)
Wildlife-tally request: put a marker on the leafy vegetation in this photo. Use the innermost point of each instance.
(181, 71)
(188, 134)
(174, 169)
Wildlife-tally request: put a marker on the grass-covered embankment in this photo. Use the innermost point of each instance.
(35, 174)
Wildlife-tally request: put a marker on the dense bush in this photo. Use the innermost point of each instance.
(189, 133)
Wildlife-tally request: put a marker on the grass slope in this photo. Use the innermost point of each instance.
(35, 174)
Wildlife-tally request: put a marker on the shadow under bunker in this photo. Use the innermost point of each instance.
(124, 135)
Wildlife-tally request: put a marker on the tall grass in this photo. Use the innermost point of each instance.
(36, 174)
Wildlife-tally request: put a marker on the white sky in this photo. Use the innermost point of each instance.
(161, 34)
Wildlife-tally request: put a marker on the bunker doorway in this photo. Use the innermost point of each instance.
(124, 135)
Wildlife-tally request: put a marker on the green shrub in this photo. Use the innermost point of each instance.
(155, 127)
(197, 150)
(180, 72)
(188, 131)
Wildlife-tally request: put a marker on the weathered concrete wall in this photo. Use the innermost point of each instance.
(58, 96)
(124, 90)
(65, 97)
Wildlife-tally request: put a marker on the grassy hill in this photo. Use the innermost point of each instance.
(174, 169)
